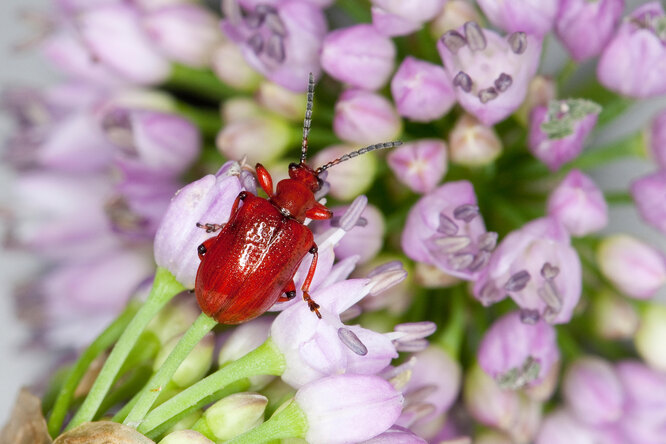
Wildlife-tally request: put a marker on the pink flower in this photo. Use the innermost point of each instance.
(363, 117)
(359, 56)
(420, 165)
(578, 204)
(490, 74)
(517, 354)
(422, 91)
(538, 268)
(393, 18)
(445, 229)
(648, 193)
(632, 63)
(534, 17)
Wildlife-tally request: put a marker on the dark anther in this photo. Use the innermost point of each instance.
(488, 94)
(256, 43)
(463, 80)
(475, 38)
(518, 42)
(503, 82)
(453, 40)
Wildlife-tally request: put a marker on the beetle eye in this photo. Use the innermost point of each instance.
(201, 249)
(293, 166)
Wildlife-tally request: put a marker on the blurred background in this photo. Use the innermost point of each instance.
(21, 364)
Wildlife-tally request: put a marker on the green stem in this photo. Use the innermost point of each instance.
(202, 83)
(208, 120)
(452, 337)
(288, 422)
(629, 146)
(358, 10)
(103, 341)
(566, 72)
(264, 360)
(612, 111)
(127, 387)
(151, 391)
(165, 287)
(618, 198)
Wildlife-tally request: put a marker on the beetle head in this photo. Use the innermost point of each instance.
(305, 175)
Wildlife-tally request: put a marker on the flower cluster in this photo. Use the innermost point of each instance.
(462, 287)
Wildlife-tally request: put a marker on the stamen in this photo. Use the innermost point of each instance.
(254, 21)
(352, 341)
(503, 82)
(518, 42)
(487, 241)
(388, 266)
(420, 394)
(452, 244)
(335, 221)
(475, 37)
(488, 94)
(353, 213)
(549, 271)
(529, 317)
(447, 225)
(416, 412)
(466, 212)
(549, 294)
(463, 80)
(385, 280)
(489, 294)
(275, 48)
(256, 43)
(416, 330)
(518, 281)
(480, 260)
(275, 24)
(453, 40)
(413, 346)
(460, 261)
(391, 372)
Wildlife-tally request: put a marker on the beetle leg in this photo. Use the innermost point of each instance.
(212, 228)
(290, 292)
(314, 307)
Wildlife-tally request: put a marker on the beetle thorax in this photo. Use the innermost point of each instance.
(293, 198)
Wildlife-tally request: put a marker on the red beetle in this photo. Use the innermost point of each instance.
(245, 269)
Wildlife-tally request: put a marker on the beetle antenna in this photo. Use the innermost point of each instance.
(308, 118)
(367, 149)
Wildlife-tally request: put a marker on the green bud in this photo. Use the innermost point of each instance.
(651, 336)
(186, 437)
(282, 101)
(186, 422)
(614, 316)
(195, 366)
(174, 319)
(261, 138)
(235, 414)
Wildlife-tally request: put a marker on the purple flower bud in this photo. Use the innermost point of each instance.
(593, 391)
(363, 117)
(359, 56)
(430, 392)
(562, 427)
(348, 408)
(657, 139)
(348, 179)
(230, 66)
(364, 239)
(634, 267)
(421, 90)
(130, 53)
(473, 144)
(408, 16)
(578, 204)
(538, 268)
(650, 336)
(420, 165)
(528, 16)
(262, 138)
(648, 193)
(490, 74)
(186, 33)
(445, 229)
(517, 354)
(557, 133)
(630, 63)
(149, 141)
(585, 27)
(208, 200)
(487, 402)
(645, 409)
(282, 42)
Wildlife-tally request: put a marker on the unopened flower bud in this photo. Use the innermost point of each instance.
(242, 340)
(585, 27)
(420, 165)
(359, 56)
(174, 319)
(185, 437)
(593, 391)
(541, 91)
(613, 316)
(627, 62)
(651, 334)
(235, 414)
(195, 365)
(656, 138)
(487, 402)
(101, 431)
(578, 204)
(527, 16)
(473, 144)
(230, 66)
(281, 101)
(238, 109)
(562, 427)
(452, 16)
(648, 193)
(260, 138)
(400, 18)
(558, 133)
(636, 268)
(363, 118)
(348, 179)
(422, 91)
